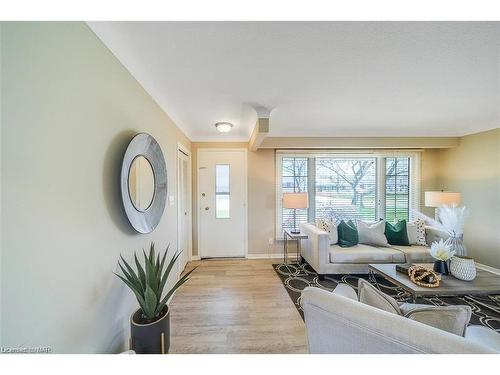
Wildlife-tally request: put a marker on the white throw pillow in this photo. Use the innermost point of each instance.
(416, 232)
(373, 234)
(331, 228)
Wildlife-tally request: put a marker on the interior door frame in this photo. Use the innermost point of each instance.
(187, 152)
(244, 151)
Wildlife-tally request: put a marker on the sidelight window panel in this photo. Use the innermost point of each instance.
(222, 191)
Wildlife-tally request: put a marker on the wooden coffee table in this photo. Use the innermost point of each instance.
(484, 283)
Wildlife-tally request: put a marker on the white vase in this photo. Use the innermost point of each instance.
(463, 268)
(457, 245)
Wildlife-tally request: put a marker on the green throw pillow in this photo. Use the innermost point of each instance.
(348, 234)
(396, 234)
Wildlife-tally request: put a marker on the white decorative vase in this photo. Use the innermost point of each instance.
(463, 268)
(457, 245)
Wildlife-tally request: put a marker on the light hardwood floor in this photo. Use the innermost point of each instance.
(235, 306)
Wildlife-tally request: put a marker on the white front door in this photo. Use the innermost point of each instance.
(183, 209)
(222, 199)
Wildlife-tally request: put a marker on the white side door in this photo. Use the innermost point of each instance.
(222, 202)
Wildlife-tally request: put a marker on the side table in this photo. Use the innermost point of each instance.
(288, 235)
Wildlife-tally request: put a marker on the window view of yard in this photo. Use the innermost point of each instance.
(346, 188)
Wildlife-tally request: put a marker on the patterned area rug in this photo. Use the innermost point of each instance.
(295, 278)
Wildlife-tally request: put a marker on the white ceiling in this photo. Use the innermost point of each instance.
(318, 78)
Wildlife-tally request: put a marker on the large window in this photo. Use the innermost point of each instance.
(341, 186)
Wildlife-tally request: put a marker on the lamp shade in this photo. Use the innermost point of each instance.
(440, 198)
(295, 200)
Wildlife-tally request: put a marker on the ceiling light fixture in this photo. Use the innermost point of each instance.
(223, 127)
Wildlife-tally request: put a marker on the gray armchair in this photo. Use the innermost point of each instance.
(337, 323)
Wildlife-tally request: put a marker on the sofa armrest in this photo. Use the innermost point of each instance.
(316, 248)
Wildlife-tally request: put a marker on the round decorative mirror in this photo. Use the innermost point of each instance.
(141, 183)
(144, 183)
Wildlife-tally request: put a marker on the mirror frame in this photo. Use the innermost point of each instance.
(145, 145)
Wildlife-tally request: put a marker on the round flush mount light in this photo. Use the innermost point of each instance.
(223, 127)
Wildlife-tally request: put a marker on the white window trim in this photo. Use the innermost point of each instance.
(415, 174)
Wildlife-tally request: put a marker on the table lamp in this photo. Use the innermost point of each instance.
(295, 201)
(439, 198)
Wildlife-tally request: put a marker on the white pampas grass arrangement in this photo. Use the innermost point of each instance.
(451, 219)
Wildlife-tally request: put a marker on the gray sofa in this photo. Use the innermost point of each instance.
(333, 259)
(337, 323)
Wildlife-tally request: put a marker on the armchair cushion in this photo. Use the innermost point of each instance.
(453, 319)
(483, 336)
(370, 295)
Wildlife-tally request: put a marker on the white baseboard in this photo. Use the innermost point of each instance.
(488, 268)
(269, 256)
(257, 256)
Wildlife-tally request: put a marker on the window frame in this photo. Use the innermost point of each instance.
(380, 184)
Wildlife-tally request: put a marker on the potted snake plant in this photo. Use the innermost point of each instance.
(150, 324)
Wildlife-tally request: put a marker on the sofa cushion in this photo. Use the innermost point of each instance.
(371, 234)
(370, 295)
(348, 234)
(365, 254)
(415, 253)
(396, 233)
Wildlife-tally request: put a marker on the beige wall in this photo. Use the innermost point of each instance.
(69, 109)
(473, 168)
(429, 177)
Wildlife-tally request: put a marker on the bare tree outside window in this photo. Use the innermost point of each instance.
(345, 188)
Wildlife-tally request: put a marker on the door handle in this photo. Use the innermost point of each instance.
(207, 208)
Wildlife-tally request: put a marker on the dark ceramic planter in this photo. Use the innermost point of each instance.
(150, 338)
(441, 267)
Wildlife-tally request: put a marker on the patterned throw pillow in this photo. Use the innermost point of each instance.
(330, 227)
(416, 232)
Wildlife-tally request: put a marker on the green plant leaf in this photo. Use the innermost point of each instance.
(152, 253)
(130, 278)
(138, 295)
(167, 272)
(131, 274)
(140, 271)
(150, 274)
(151, 302)
(162, 263)
(177, 285)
